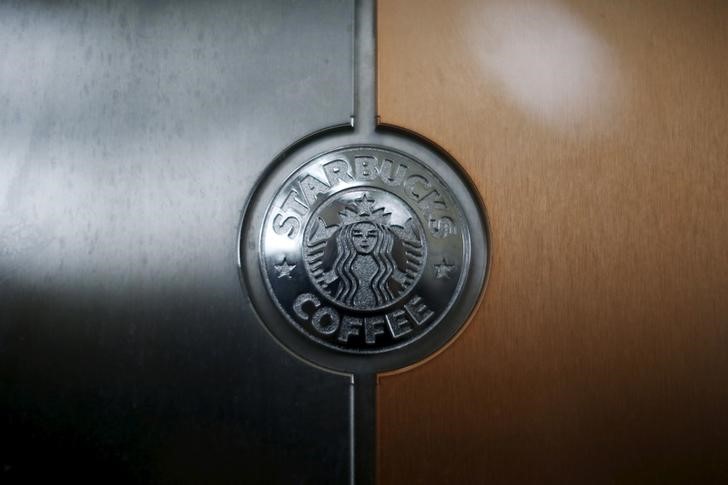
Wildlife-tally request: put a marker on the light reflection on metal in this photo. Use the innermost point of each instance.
(548, 60)
(131, 134)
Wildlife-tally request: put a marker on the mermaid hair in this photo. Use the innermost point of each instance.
(382, 256)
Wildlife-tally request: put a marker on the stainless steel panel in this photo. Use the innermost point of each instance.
(131, 134)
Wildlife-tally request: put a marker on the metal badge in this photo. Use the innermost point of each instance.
(365, 257)
(363, 249)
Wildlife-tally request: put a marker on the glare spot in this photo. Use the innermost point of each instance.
(546, 59)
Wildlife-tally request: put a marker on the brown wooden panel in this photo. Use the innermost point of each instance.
(597, 133)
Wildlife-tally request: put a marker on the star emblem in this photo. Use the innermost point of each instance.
(442, 270)
(284, 269)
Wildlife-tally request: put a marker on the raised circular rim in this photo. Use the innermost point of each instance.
(400, 345)
(451, 321)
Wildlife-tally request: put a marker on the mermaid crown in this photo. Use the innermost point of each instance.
(363, 210)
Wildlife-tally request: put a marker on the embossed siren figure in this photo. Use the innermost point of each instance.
(365, 273)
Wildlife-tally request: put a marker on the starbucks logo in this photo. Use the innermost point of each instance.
(363, 249)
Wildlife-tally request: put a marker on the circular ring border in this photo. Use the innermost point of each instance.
(462, 307)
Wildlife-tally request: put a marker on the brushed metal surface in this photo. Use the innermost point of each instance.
(597, 134)
(131, 134)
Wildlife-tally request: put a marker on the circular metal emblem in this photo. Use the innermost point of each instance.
(364, 249)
